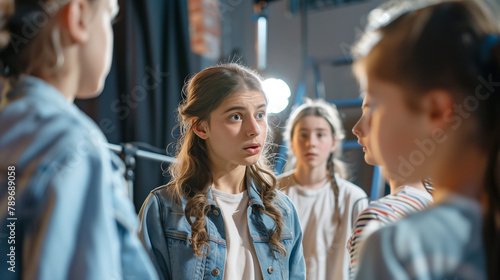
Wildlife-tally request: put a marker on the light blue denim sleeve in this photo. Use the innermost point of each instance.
(73, 219)
(136, 263)
(442, 242)
(379, 259)
(297, 263)
(152, 235)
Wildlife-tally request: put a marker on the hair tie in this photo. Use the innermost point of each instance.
(489, 42)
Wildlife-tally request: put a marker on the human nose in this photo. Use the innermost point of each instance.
(356, 130)
(253, 127)
(311, 141)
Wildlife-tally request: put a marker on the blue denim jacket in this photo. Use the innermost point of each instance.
(70, 217)
(443, 242)
(165, 233)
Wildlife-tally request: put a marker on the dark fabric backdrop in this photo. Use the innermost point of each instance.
(152, 58)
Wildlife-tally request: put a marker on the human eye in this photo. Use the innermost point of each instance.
(235, 117)
(368, 107)
(260, 115)
(372, 107)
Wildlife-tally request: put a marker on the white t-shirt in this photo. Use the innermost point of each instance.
(241, 259)
(324, 242)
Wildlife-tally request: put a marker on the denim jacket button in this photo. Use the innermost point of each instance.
(216, 212)
(270, 270)
(215, 272)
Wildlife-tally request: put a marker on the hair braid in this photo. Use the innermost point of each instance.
(330, 166)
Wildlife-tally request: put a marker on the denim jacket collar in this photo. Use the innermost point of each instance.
(31, 86)
(39, 89)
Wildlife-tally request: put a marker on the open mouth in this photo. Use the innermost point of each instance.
(253, 148)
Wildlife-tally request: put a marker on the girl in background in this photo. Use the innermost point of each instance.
(433, 70)
(327, 203)
(221, 214)
(63, 196)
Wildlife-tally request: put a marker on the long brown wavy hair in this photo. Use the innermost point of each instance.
(448, 44)
(191, 174)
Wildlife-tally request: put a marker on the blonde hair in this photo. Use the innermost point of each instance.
(191, 176)
(335, 165)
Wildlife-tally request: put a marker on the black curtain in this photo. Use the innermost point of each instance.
(152, 58)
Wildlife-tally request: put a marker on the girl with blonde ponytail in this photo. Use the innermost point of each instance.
(326, 202)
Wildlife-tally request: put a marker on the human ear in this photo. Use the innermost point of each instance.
(334, 144)
(75, 19)
(200, 129)
(437, 105)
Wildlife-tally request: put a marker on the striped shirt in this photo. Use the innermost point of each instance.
(387, 210)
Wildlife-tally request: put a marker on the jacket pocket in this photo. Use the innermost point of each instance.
(287, 240)
(183, 261)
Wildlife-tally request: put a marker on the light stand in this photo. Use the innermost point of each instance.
(128, 152)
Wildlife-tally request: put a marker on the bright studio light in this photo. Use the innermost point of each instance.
(278, 93)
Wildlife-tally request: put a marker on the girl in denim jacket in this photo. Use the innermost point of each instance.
(221, 216)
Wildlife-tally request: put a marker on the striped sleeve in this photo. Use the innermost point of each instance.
(368, 215)
(382, 212)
